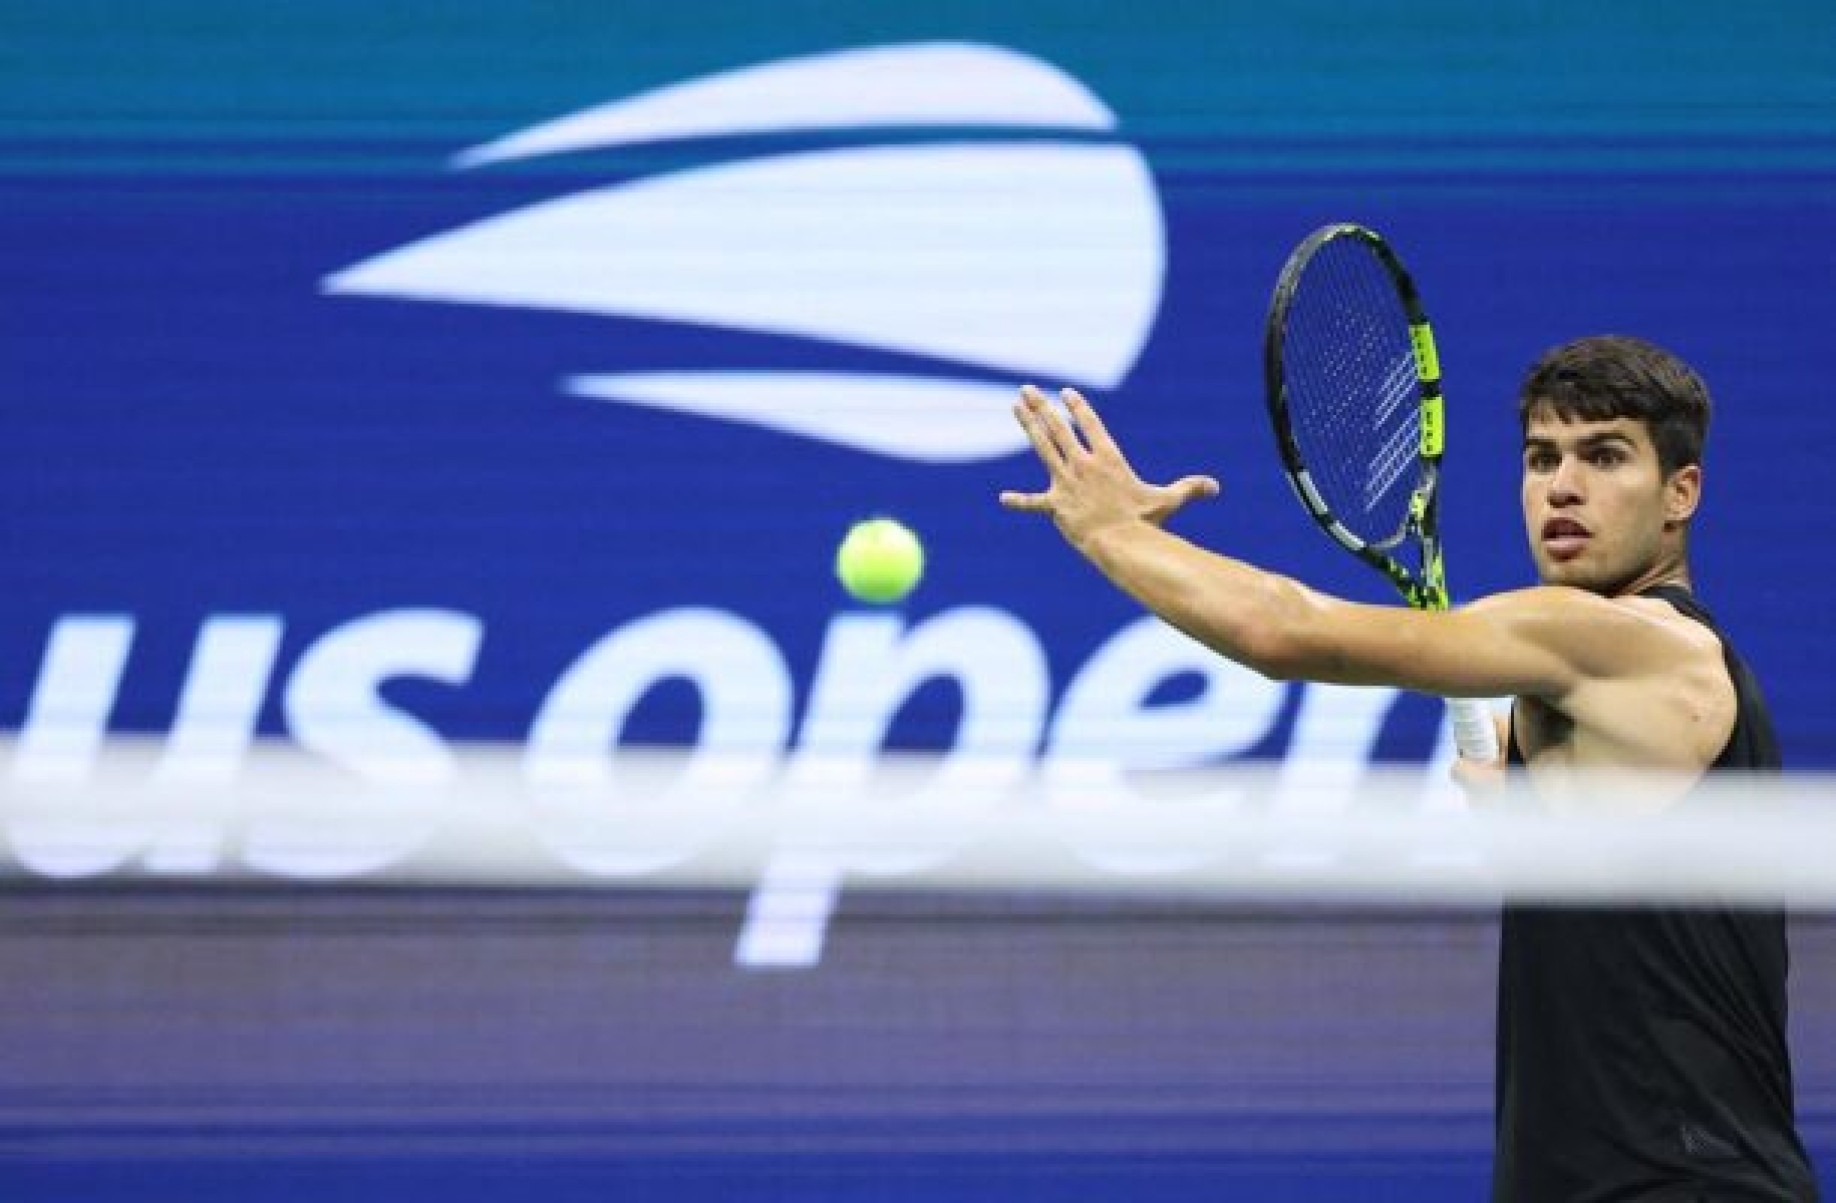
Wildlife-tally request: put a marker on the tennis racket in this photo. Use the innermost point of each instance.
(1354, 392)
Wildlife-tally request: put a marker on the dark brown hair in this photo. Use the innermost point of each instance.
(1611, 376)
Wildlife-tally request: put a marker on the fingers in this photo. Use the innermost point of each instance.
(1051, 423)
(1095, 433)
(1051, 442)
(1168, 500)
(1195, 488)
(1028, 411)
(1060, 444)
(1026, 503)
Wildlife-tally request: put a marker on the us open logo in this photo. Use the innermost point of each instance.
(1016, 254)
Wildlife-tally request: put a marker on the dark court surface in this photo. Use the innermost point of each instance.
(276, 1045)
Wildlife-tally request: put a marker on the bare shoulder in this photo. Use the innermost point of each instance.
(1659, 697)
(1600, 637)
(1666, 622)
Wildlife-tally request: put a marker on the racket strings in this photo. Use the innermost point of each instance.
(1389, 463)
(1352, 389)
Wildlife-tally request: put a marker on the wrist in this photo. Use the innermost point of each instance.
(1100, 543)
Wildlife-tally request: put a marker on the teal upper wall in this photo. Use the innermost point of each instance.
(1655, 85)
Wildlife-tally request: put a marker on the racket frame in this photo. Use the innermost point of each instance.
(1425, 586)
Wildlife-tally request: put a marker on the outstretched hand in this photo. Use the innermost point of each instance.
(1091, 487)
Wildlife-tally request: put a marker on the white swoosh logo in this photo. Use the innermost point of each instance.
(937, 84)
(905, 417)
(1037, 258)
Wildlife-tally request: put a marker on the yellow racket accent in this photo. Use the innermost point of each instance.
(1427, 359)
(1434, 434)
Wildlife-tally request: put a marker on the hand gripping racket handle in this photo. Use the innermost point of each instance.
(1473, 729)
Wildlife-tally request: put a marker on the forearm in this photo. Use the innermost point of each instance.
(1510, 644)
(1234, 608)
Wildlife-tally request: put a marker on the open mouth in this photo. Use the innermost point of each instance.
(1564, 537)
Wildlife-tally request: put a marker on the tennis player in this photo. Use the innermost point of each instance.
(1641, 1051)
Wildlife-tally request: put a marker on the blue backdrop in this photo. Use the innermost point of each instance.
(204, 423)
(387, 376)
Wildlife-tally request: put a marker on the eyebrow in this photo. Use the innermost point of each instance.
(1585, 442)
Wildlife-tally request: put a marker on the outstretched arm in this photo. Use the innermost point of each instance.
(1538, 642)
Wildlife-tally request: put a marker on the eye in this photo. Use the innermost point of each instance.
(1606, 457)
(1539, 459)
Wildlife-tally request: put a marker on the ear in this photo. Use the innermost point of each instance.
(1682, 494)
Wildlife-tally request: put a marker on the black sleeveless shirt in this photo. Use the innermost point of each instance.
(1641, 1050)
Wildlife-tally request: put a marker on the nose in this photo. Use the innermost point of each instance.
(1565, 482)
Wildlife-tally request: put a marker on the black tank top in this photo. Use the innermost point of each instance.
(1641, 1050)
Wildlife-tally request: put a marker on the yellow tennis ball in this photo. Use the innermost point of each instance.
(879, 561)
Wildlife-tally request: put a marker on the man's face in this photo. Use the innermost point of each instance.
(1596, 501)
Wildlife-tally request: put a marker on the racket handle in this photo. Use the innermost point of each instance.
(1473, 729)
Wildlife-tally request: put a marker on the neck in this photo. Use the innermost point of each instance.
(1667, 571)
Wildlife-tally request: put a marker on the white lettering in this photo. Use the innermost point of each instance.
(230, 670)
(1105, 731)
(78, 683)
(746, 698)
(333, 708)
(1334, 734)
(870, 666)
(65, 723)
(595, 801)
